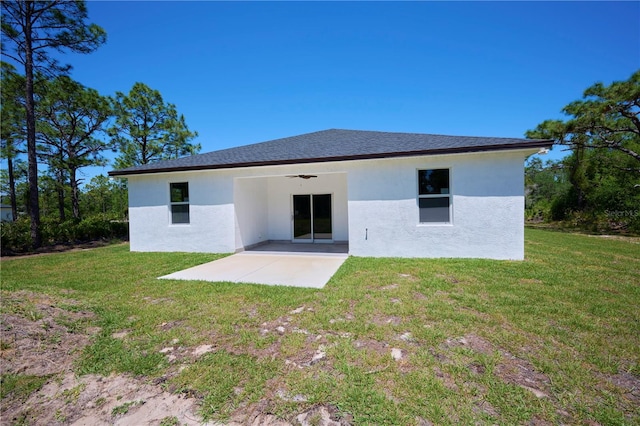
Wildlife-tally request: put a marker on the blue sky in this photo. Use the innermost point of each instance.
(248, 72)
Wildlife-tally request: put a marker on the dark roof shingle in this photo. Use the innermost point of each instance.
(333, 145)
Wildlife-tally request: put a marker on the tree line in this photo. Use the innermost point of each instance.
(597, 185)
(53, 126)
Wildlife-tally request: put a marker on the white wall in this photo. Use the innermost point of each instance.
(375, 207)
(487, 209)
(229, 209)
(211, 213)
(251, 211)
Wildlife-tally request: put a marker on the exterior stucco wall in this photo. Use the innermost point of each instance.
(251, 211)
(375, 207)
(229, 209)
(487, 208)
(210, 208)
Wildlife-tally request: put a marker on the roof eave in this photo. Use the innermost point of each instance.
(523, 145)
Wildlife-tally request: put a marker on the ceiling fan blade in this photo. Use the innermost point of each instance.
(301, 176)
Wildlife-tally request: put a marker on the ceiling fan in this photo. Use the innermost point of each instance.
(302, 176)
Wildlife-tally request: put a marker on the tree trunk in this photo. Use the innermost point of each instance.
(144, 150)
(576, 177)
(34, 202)
(75, 194)
(12, 188)
(60, 190)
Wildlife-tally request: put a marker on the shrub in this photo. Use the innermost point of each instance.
(16, 236)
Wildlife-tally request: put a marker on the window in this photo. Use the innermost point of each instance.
(434, 197)
(179, 193)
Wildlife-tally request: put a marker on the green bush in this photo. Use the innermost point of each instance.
(559, 208)
(16, 236)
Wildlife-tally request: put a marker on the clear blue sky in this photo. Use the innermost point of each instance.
(249, 72)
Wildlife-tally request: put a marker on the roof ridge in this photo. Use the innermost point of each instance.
(433, 134)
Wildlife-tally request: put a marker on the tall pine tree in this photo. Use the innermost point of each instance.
(148, 130)
(31, 30)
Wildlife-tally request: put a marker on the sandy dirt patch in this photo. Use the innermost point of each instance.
(43, 336)
(93, 400)
(38, 336)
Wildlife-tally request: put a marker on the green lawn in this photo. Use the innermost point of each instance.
(553, 339)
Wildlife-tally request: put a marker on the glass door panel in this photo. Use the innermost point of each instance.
(302, 217)
(322, 217)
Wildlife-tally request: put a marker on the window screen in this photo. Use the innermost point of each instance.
(434, 197)
(179, 193)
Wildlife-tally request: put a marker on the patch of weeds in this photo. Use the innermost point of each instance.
(124, 408)
(170, 421)
(71, 395)
(46, 326)
(100, 401)
(4, 345)
(34, 315)
(20, 307)
(60, 416)
(22, 419)
(55, 338)
(18, 386)
(315, 420)
(72, 326)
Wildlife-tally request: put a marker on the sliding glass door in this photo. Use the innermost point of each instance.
(312, 218)
(321, 217)
(302, 218)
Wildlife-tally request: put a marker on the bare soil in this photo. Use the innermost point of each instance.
(510, 369)
(43, 337)
(39, 338)
(35, 335)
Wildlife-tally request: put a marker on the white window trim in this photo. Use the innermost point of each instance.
(178, 203)
(449, 195)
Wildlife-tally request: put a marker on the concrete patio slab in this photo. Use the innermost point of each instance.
(290, 269)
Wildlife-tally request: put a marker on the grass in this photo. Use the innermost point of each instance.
(124, 408)
(20, 386)
(476, 335)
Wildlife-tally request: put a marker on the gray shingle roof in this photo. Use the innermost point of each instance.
(333, 145)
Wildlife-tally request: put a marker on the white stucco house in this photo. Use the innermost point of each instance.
(385, 194)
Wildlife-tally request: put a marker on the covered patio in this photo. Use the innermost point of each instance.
(302, 208)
